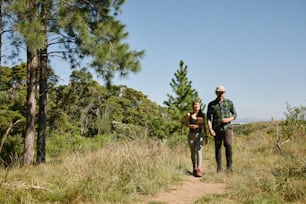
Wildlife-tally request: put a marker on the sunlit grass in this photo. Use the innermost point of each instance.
(262, 173)
(122, 171)
(116, 173)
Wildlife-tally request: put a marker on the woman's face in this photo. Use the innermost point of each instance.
(196, 106)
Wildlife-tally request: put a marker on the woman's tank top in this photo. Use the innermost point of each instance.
(193, 121)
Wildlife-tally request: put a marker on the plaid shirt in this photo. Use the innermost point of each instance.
(216, 111)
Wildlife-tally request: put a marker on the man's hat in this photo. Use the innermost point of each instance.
(220, 89)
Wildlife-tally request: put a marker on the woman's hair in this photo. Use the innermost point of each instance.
(200, 113)
(195, 101)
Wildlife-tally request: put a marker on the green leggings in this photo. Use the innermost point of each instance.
(195, 142)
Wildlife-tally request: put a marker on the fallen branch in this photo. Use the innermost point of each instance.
(285, 142)
(19, 186)
(278, 143)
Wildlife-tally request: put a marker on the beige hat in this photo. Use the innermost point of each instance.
(220, 89)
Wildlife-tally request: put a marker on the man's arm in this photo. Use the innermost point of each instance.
(233, 114)
(211, 130)
(209, 118)
(233, 111)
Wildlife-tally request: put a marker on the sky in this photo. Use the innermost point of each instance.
(256, 49)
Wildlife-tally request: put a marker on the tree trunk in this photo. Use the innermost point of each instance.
(42, 116)
(1, 32)
(32, 64)
(43, 86)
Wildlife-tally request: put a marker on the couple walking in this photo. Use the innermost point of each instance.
(220, 113)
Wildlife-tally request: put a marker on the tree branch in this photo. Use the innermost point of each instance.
(8, 132)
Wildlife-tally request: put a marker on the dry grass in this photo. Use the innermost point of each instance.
(119, 172)
(262, 174)
(116, 173)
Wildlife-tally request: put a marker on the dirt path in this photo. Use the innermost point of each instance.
(188, 192)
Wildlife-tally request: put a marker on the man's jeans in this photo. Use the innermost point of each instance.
(225, 136)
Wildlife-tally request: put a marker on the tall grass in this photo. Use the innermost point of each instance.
(116, 173)
(121, 171)
(262, 174)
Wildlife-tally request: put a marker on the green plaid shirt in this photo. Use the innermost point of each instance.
(216, 111)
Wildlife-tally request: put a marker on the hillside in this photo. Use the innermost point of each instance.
(126, 171)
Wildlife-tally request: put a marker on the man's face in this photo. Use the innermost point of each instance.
(220, 94)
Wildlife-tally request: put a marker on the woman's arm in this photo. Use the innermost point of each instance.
(187, 120)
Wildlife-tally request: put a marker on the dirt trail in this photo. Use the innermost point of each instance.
(188, 192)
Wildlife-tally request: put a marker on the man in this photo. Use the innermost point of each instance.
(220, 113)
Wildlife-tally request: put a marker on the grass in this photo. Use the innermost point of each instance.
(116, 173)
(262, 174)
(121, 171)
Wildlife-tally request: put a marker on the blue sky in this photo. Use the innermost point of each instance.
(255, 48)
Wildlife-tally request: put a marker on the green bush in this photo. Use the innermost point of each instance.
(59, 145)
(11, 151)
(122, 130)
(295, 123)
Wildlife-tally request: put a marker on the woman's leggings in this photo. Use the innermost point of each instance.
(195, 142)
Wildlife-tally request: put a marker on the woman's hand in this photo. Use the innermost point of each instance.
(194, 126)
(199, 120)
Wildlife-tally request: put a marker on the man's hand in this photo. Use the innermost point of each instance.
(227, 120)
(212, 132)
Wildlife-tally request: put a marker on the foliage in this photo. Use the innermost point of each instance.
(93, 108)
(12, 77)
(93, 30)
(83, 107)
(73, 30)
(248, 129)
(11, 151)
(295, 124)
(8, 117)
(79, 29)
(11, 110)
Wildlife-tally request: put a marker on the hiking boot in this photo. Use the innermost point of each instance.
(194, 172)
(219, 170)
(198, 173)
(229, 170)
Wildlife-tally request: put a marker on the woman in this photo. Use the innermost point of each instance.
(194, 121)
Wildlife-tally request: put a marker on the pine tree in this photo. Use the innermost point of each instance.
(28, 28)
(78, 29)
(181, 102)
(92, 30)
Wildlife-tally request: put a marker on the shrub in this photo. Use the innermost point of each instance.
(295, 124)
(11, 151)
